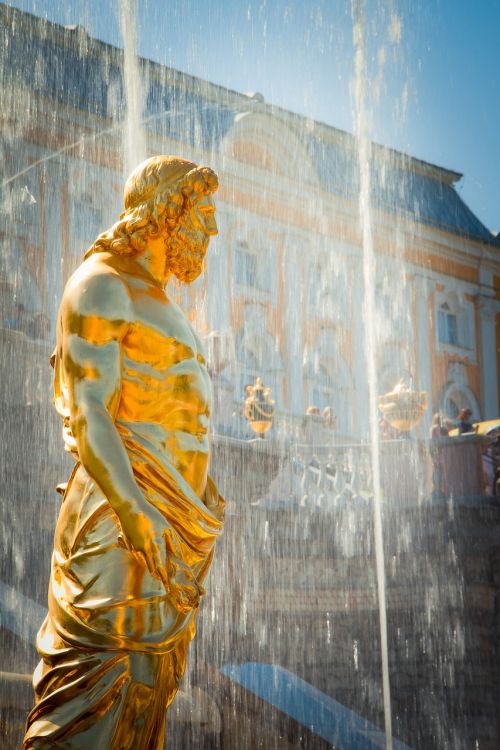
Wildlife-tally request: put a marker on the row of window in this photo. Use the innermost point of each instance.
(250, 273)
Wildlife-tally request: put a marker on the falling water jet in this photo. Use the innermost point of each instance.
(134, 141)
(364, 152)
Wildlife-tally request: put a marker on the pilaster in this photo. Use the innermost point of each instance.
(488, 307)
(423, 374)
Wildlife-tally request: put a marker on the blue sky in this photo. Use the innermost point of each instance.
(439, 87)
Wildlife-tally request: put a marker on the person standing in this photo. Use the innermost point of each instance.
(438, 429)
(463, 421)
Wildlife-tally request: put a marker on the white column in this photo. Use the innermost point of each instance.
(423, 376)
(489, 375)
(295, 318)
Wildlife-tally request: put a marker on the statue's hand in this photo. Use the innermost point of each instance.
(213, 500)
(146, 532)
(185, 589)
(143, 533)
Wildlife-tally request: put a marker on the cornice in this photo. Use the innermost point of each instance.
(34, 25)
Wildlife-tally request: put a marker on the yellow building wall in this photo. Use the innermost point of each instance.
(440, 361)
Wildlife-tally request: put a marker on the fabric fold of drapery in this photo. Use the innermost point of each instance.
(114, 643)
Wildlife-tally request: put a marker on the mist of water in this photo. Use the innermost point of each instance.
(370, 340)
(134, 139)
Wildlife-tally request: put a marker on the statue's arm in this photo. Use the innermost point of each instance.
(95, 314)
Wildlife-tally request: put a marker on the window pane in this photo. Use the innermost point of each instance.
(447, 327)
(441, 321)
(250, 269)
(452, 328)
(245, 266)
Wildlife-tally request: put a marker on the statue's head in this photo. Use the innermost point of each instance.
(169, 197)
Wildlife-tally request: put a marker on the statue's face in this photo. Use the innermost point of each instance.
(186, 250)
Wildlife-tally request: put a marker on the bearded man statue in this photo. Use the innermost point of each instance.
(140, 516)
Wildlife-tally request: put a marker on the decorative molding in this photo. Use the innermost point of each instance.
(458, 374)
(487, 307)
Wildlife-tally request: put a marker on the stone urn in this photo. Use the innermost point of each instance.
(403, 407)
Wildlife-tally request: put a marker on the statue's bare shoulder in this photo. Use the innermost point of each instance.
(96, 303)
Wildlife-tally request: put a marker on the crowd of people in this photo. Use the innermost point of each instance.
(490, 455)
(441, 427)
(323, 424)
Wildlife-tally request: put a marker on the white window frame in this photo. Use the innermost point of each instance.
(452, 303)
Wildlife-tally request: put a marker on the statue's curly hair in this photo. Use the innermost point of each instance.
(157, 195)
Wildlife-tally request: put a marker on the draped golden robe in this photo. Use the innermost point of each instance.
(114, 643)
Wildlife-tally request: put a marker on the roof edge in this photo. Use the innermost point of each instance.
(316, 127)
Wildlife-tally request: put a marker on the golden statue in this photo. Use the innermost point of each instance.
(140, 516)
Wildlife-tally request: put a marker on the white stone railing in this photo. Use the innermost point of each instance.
(287, 429)
(340, 476)
(325, 477)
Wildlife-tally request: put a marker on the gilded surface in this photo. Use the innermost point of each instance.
(140, 516)
(259, 407)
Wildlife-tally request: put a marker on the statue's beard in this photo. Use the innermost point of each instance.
(185, 253)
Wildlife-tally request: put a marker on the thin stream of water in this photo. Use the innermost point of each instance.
(134, 140)
(369, 271)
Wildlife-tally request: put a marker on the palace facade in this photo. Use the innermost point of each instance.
(284, 281)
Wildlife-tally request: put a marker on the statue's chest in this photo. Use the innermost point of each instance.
(160, 334)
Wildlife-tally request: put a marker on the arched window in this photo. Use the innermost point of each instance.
(258, 355)
(455, 399)
(456, 393)
(329, 382)
(393, 309)
(245, 265)
(252, 267)
(328, 289)
(455, 322)
(447, 325)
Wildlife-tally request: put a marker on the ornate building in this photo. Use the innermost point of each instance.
(288, 261)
